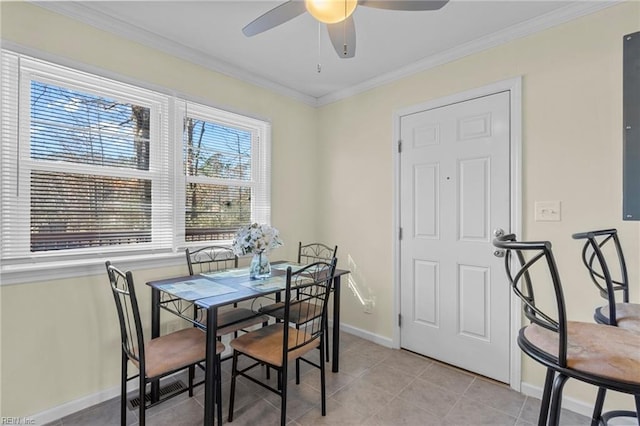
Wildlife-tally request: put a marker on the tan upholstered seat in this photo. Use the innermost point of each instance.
(627, 315)
(301, 312)
(597, 349)
(231, 320)
(265, 344)
(175, 351)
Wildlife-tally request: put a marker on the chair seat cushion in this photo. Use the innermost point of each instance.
(627, 315)
(299, 312)
(274, 310)
(175, 351)
(596, 349)
(266, 344)
(235, 319)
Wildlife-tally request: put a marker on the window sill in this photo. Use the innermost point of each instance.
(26, 273)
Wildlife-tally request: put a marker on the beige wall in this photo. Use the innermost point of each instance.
(59, 339)
(571, 152)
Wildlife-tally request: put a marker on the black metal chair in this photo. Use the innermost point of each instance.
(610, 278)
(307, 254)
(232, 319)
(157, 358)
(315, 252)
(603, 356)
(306, 295)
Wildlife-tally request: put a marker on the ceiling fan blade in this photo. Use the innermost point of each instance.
(404, 4)
(274, 17)
(343, 37)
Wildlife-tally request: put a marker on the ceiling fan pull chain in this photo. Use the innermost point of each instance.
(344, 30)
(344, 37)
(319, 66)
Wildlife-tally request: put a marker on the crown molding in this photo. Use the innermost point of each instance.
(532, 26)
(84, 13)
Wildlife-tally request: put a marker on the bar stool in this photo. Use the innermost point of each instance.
(609, 280)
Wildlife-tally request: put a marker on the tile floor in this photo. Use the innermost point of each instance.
(375, 386)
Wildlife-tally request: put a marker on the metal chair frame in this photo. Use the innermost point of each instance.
(217, 258)
(318, 252)
(602, 277)
(210, 259)
(313, 284)
(307, 253)
(557, 369)
(133, 345)
(315, 252)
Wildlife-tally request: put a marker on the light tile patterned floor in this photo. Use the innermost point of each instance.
(375, 386)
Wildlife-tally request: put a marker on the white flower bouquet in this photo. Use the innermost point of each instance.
(256, 238)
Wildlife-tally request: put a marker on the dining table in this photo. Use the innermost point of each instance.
(214, 290)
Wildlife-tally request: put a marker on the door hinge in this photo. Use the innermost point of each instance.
(399, 146)
(400, 234)
(399, 320)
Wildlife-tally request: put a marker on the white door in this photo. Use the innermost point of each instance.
(454, 189)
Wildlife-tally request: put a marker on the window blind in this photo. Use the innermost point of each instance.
(224, 170)
(91, 167)
(9, 167)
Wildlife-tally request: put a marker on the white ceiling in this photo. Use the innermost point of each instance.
(390, 44)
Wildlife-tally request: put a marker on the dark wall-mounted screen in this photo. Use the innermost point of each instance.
(631, 118)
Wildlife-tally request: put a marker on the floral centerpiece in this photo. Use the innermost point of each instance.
(257, 239)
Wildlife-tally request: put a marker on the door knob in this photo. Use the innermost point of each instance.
(499, 232)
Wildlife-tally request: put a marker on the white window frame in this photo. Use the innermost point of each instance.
(18, 264)
(260, 163)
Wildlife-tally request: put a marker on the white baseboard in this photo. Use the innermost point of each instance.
(71, 407)
(367, 335)
(570, 404)
(575, 405)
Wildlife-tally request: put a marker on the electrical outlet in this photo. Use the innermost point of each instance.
(368, 306)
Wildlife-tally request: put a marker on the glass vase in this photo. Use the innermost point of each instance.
(260, 267)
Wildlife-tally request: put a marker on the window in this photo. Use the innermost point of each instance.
(225, 173)
(91, 165)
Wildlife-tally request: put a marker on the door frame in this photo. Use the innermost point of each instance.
(514, 87)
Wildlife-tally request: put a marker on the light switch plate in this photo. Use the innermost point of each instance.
(547, 211)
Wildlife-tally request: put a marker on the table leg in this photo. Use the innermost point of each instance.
(336, 324)
(155, 332)
(210, 368)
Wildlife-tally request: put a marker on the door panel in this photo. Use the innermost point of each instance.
(454, 178)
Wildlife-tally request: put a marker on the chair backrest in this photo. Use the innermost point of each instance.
(306, 295)
(315, 252)
(210, 259)
(607, 277)
(532, 267)
(124, 294)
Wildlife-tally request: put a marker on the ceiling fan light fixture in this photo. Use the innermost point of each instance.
(330, 11)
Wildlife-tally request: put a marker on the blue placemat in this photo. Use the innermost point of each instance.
(197, 288)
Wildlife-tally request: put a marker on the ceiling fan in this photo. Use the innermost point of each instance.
(336, 14)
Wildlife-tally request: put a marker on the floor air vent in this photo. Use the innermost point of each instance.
(167, 389)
